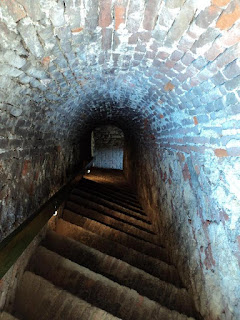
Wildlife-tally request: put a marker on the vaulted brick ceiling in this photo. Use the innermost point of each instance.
(173, 60)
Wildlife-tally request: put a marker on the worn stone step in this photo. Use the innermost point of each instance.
(116, 235)
(112, 198)
(101, 291)
(126, 194)
(110, 191)
(64, 244)
(110, 205)
(114, 223)
(39, 299)
(94, 259)
(7, 316)
(89, 203)
(124, 190)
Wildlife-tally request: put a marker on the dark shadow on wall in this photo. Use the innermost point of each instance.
(107, 145)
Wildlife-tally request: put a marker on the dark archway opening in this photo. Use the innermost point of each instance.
(107, 145)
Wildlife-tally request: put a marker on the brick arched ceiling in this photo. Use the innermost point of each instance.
(171, 61)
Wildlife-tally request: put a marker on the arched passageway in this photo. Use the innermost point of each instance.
(107, 145)
(165, 72)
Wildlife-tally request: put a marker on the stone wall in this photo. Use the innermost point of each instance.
(10, 281)
(193, 197)
(108, 144)
(30, 175)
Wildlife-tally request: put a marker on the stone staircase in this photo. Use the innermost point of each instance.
(103, 261)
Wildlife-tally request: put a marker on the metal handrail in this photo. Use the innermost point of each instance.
(15, 244)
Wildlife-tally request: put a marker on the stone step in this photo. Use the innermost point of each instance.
(110, 204)
(7, 316)
(72, 249)
(39, 299)
(110, 197)
(93, 259)
(116, 235)
(102, 292)
(125, 193)
(92, 203)
(124, 190)
(132, 200)
(114, 223)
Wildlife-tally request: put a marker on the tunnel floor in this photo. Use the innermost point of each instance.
(102, 261)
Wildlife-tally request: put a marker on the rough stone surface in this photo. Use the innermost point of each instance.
(12, 278)
(107, 147)
(69, 66)
(81, 267)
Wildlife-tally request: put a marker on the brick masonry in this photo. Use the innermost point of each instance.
(107, 147)
(167, 73)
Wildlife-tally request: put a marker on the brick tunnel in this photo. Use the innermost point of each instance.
(167, 73)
